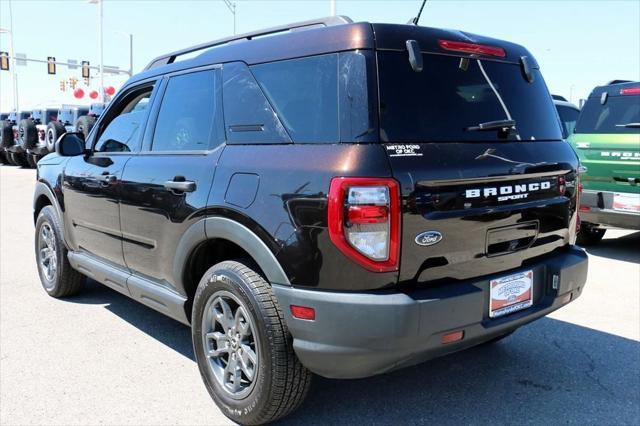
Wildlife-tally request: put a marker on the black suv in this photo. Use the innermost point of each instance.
(338, 198)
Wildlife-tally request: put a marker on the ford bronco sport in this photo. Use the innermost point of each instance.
(337, 198)
(607, 140)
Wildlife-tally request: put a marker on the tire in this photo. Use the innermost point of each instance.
(32, 160)
(3, 157)
(280, 382)
(10, 158)
(28, 133)
(18, 159)
(6, 134)
(84, 125)
(59, 280)
(54, 131)
(589, 235)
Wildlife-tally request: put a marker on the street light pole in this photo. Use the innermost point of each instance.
(231, 5)
(100, 48)
(12, 73)
(333, 7)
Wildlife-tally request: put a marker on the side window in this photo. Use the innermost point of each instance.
(123, 129)
(190, 117)
(247, 114)
(304, 93)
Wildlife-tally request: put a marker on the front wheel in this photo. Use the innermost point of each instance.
(57, 276)
(243, 347)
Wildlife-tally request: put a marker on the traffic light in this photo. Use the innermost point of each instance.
(51, 65)
(4, 61)
(85, 69)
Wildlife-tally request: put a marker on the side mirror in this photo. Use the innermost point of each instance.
(70, 145)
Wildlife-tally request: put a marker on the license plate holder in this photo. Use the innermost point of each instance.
(626, 202)
(510, 293)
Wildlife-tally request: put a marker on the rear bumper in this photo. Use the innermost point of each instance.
(362, 334)
(601, 212)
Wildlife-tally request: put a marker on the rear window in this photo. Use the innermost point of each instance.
(452, 94)
(610, 117)
(568, 118)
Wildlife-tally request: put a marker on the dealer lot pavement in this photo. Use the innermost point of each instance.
(101, 358)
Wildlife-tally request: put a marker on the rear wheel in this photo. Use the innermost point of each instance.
(57, 276)
(6, 134)
(18, 159)
(54, 131)
(84, 125)
(243, 347)
(3, 157)
(28, 132)
(32, 160)
(589, 235)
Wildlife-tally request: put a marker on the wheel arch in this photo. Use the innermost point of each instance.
(216, 239)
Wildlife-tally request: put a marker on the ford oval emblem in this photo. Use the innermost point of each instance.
(428, 238)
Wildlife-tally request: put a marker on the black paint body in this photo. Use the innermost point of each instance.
(279, 190)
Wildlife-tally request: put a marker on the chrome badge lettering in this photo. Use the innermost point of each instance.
(428, 238)
(621, 155)
(508, 192)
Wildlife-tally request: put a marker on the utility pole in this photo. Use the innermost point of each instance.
(12, 71)
(333, 7)
(100, 48)
(231, 5)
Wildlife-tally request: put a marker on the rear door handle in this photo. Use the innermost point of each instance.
(178, 184)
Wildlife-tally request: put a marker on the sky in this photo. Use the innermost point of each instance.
(578, 44)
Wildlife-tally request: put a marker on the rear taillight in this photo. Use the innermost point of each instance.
(579, 188)
(364, 221)
(630, 91)
(472, 48)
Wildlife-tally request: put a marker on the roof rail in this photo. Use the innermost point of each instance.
(296, 26)
(559, 98)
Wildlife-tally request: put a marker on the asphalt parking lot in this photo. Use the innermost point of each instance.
(101, 358)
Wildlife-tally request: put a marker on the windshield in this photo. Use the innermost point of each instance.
(452, 94)
(568, 118)
(610, 117)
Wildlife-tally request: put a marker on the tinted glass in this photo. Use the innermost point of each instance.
(451, 94)
(123, 133)
(568, 118)
(304, 94)
(4, 116)
(610, 117)
(190, 117)
(248, 115)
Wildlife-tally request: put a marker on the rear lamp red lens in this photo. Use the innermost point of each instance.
(472, 48)
(367, 214)
(303, 312)
(630, 91)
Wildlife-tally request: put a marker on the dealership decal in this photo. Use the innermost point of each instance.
(404, 150)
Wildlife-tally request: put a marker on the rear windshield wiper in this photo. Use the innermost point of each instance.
(629, 125)
(502, 125)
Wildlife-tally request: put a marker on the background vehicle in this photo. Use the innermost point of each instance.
(308, 202)
(14, 151)
(33, 131)
(568, 113)
(68, 115)
(607, 140)
(3, 117)
(86, 122)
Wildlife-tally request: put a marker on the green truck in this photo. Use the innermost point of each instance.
(607, 140)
